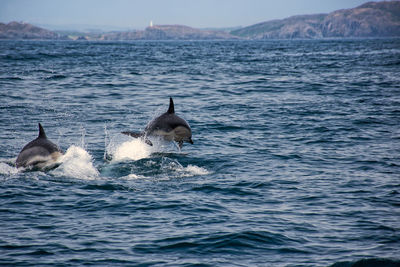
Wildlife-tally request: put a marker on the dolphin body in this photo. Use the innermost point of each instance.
(169, 126)
(40, 153)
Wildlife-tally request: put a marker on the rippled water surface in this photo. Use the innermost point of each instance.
(295, 161)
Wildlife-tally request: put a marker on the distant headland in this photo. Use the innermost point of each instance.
(25, 31)
(372, 19)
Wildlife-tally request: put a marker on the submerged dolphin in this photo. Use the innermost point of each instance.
(40, 153)
(169, 126)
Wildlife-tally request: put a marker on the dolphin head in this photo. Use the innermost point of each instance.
(40, 153)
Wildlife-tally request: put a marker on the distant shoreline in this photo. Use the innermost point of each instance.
(202, 40)
(370, 20)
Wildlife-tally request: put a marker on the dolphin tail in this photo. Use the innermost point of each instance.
(138, 135)
(171, 109)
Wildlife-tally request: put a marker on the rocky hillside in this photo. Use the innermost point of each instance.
(21, 30)
(373, 19)
(304, 26)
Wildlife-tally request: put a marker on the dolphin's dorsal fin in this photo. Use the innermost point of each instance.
(42, 134)
(171, 109)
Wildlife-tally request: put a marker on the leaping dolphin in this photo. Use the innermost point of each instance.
(40, 153)
(169, 126)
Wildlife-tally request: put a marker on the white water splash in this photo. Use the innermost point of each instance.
(7, 169)
(174, 168)
(122, 148)
(76, 163)
(133, 177)
(193, 170)
(134, 149)
(190, 170)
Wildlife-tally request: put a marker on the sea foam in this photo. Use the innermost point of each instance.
(7, 169)
(134, 149)
(76, 163)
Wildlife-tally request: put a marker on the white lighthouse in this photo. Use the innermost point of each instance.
(151, 23)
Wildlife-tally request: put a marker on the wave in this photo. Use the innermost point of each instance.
(239, 242)
(12, 78)
(368, 263)
(193, 170)
(154, 168)
(55, 77)
(171, 168)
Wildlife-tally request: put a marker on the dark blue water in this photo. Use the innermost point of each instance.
(296, 155)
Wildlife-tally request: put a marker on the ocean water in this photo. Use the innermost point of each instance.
(295, 161)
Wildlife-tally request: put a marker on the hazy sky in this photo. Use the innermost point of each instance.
(137, 14)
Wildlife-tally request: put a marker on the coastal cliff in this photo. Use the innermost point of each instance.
(373, 19)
